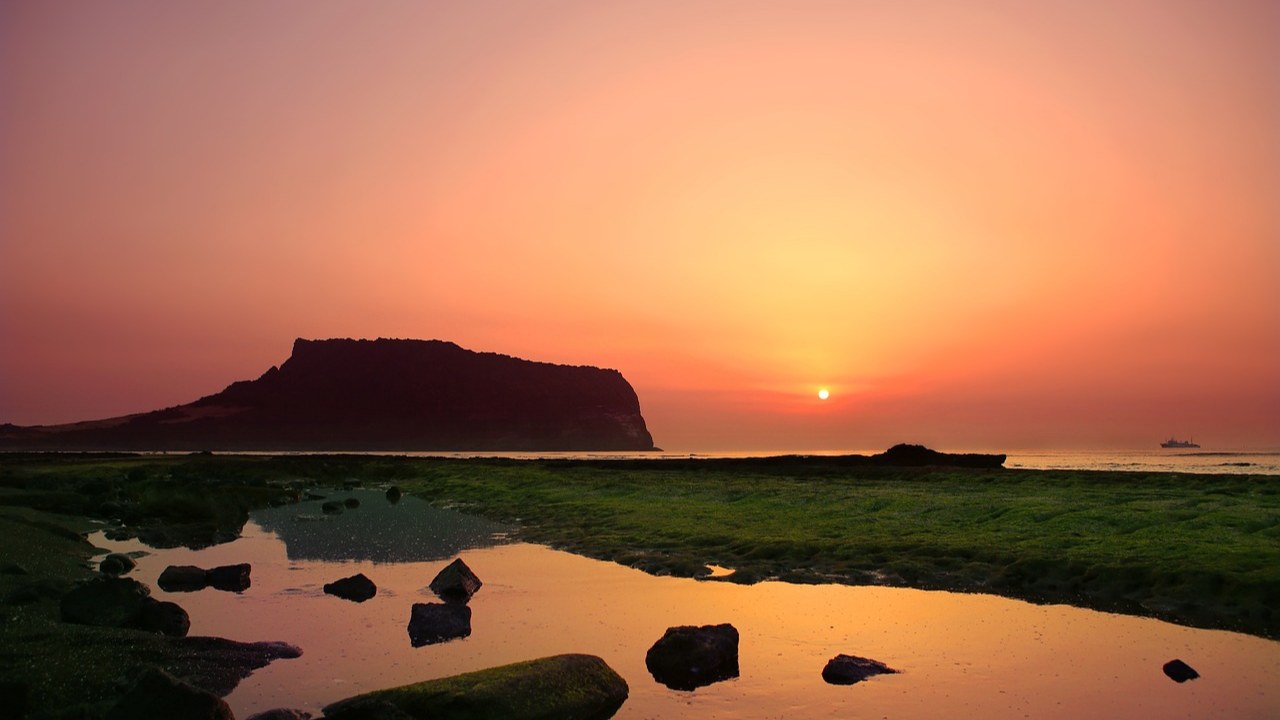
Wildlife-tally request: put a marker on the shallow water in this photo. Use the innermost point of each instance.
(961, 655)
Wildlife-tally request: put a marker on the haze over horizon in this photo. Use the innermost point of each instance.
(987, 224)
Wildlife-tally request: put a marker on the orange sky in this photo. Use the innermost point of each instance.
(989, 224)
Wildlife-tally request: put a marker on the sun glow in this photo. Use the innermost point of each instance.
(823, 394)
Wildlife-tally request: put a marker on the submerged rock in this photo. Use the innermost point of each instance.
(689, 657)
(332, 507)
(117, 564)
(357, 588)
(431, 623)
(562, 686)
(456, 582)
(1179, 671)
(157, 695)
(394, 495)
(849, 669)
(351, 502)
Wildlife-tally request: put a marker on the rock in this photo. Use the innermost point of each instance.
(117, 564)
(562, 686)
(1179, 671)
(431, 623)
(333, 507)
(165, 618)
(849, 669)
(183, 578)
(232, 578)
(312, 495)
(157, 695)
(394, 495)
(11, 568)
(688, 657)
(105, 602)
(222, 537)
(119, 534)
(357, 587)
(280, 714)
(351, 503)
(37, 590)
(15, 696)
(456, 582)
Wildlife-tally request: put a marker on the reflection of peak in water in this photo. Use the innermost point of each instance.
(378, 530)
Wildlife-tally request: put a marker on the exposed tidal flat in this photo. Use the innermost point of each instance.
(1200, 550)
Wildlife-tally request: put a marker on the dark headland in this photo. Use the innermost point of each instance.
(380, 395)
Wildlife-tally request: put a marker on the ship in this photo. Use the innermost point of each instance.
(1176, 443)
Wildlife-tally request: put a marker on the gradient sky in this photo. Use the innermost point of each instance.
(989, 224)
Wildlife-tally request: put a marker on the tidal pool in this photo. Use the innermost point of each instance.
(960, 655)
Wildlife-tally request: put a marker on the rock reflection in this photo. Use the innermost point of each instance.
(372, 529)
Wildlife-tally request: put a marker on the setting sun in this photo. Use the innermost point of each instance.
(823, 394)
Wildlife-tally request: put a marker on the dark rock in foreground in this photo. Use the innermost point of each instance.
(231, 578)
(431, 623)
(1179, 671)
(849, 669)
(122, 603)
(380, 395)
(582, 687)
(157, 695)
(117, 564)
(357, 588)
(456, 582)
(687, 657)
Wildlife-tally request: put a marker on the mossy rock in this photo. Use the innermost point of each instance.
(562, 687)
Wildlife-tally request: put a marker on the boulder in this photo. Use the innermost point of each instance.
(232, 578)
(456, 582)
(688, 657)
(357, 588)
(105, 602)
(332, 507)
(157, 695)
(117, 564)
(280, 714)
(562, 686)
(849, 669)
(351, 502)
(431, 623)
(183, 578)
(1179, 671)
(165, 618)
(394, 495)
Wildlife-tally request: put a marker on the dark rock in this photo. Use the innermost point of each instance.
(119, 534)
(232, 578)
(222, 537)
(183, 578)
(1179, 671)
(218, 664)
(394, 495)
(905, 455)
(165, 618)
(357, 587)
(688, 657)
(431, 623)
(849, 669)
(11, 568)
(117, 564)
(351, 503)
(37, 590)
(105, 602)
(310, 495)
(564, 686)
(333, 507)
(456, 582)
(380, 395)
(157, 695)
(280, 714)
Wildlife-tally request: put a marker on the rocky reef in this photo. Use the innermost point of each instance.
(381, 395)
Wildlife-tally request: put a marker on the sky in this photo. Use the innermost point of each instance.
(978, 225)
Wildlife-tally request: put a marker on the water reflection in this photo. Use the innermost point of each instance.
(379, 527)
(960, 656)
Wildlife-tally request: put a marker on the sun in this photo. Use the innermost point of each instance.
(823, 394)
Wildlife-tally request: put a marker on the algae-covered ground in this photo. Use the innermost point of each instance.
(1202, 550)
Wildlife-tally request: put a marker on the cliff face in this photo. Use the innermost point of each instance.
(382, 395)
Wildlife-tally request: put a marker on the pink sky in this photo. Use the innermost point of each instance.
(989, 224)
